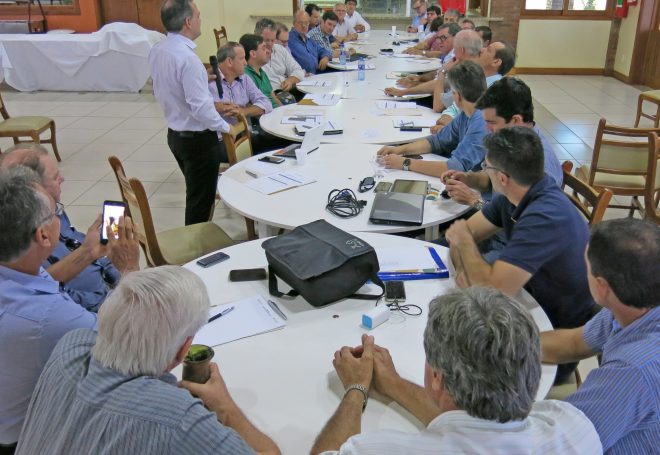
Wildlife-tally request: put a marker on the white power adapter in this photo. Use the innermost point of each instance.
(376, 316)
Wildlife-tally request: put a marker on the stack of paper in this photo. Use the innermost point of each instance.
(261, 169)
(280, 181)
(299, 119)
(417, 263)
(321, 99)
(313, 83)
(398, 108)
(415, 123)
(331, 127)
(251, 316)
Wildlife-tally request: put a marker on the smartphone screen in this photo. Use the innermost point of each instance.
(410, 186)
(272, 159)
(112, 210)
(395, 291)
(247, 274)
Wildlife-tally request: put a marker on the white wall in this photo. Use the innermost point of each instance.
(562, 43)
(626, 44)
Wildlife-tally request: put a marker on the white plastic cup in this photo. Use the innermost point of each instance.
(393, 30)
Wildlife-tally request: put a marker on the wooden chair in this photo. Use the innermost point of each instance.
(239, 147)
(623, 166)
(652, 96)
(220, 36)
(27, 126)
(651, 202)
(174, 246)
(587, 200)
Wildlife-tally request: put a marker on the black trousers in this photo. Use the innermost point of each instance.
(7, 449)
(198, 153)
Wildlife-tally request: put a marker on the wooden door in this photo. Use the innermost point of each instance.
(651, 67)
(119, 11)
(149, 14)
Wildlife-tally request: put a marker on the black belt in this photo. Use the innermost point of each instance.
(188, 134)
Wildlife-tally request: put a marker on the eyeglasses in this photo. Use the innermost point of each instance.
(485, 167)
(59, 210)
(443, 38)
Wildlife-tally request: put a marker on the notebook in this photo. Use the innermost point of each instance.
(311, 141)
(404, 209)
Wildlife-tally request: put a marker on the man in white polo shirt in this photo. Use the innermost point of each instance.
(483, 367)
(354, 18)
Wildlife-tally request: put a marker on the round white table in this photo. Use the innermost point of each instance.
(284, 381)
(361, 120)
(334, 167)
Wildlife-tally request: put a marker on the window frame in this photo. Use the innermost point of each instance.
(565, 13)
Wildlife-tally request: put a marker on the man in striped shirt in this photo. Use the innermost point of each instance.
(113, 393)
(481, 375)
(622, 396)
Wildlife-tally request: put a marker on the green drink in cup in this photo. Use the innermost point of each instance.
(196, 365)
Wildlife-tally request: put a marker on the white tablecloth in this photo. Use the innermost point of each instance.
(114, 59)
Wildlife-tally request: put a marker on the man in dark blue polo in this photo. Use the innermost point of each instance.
(306, 51)
(546, 235)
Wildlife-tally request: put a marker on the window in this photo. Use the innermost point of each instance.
(568, 8)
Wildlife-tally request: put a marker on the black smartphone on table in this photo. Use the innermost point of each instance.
(272, 159)
(208, 261)
(395, 291)
(247, 274)
(112, 210)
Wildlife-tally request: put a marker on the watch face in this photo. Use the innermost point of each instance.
(406, 162)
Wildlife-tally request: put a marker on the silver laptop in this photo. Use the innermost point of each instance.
(403, 209)
(311, 141)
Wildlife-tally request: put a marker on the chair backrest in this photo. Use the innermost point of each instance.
(3, 109)
(587, 200)
(137, 206)
(240, 146)
(624, 157)
(220, 36)
(652, 193)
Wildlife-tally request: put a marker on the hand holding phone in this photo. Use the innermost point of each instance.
(112, 210)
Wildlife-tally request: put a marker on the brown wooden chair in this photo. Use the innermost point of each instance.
(220, 36)
(239, 147)
(623, 165)
(588, 201)
(652, 194)
(174, 246)
(27, 126)
(651, 96)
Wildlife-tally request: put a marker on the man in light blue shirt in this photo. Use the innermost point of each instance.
(460, 142)
(621, 396)
(181, 88)
(113, 393)
(418, 17)
(34, 312)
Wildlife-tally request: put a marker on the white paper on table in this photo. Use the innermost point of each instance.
(259, 169)
(281, 181)
(354, 66)
(371, 133)
(396, 75)
(418, 123)
(313, 83)
(421, 60)
(403, 56)
(385, 104)
(330, 125)
(323, 99)
(301, 118)
(393, 259)
(251, 316)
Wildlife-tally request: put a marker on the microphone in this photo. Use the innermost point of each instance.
(213, 61)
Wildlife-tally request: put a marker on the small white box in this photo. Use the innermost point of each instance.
(376, 316)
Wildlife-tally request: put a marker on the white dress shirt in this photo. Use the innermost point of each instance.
(343, 29)
(181, 86)
(553, 427)
(356, 19)
(282, 65)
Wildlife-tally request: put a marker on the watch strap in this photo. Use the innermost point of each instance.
(361, 388)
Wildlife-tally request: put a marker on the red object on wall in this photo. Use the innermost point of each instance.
(452, 4)
(621, 8)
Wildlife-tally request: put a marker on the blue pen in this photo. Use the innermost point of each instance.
(222, 313)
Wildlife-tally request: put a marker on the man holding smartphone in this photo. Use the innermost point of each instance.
(84, 267)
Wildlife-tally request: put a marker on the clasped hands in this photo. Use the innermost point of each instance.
(367, 364)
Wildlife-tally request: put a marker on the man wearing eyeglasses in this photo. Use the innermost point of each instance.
(34, 311)
(85, 268)
(545, 235)
(419, 16)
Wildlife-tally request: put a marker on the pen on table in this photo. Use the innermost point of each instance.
(276, 309)
(222, 313)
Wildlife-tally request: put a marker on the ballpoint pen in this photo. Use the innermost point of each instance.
(222, 313)
(276, 309)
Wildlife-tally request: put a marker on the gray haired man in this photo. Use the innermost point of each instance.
(112, 393)
(481, 375)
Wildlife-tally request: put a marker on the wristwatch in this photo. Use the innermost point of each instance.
(479, 205)
(406, 164)
(361, 388)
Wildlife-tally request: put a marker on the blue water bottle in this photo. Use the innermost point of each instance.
(342, 54)
(361, 68)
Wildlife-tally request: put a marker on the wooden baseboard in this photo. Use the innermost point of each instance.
(560, 71)
(622, 77)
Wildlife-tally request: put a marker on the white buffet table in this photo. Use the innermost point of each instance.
(284, 380)
(114, 59)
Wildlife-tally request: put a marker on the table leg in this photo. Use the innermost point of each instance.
(262, 230)
(431, 232)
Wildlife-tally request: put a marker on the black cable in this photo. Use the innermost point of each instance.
(409, 309)
(344, 203)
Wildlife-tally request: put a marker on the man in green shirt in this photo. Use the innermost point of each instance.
(257, 55)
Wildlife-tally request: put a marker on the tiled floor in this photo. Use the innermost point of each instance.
(91, 126)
